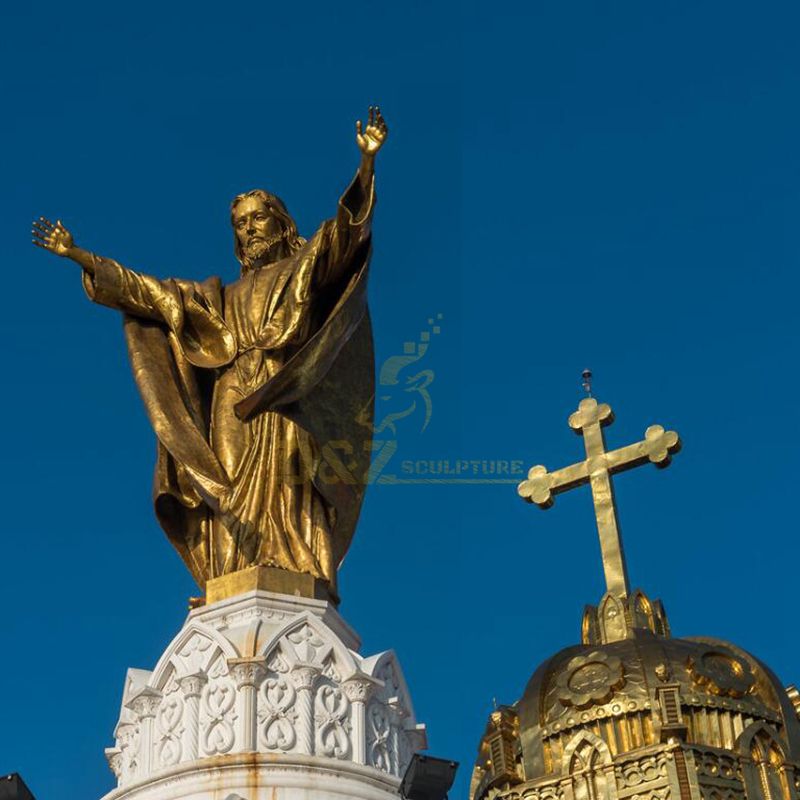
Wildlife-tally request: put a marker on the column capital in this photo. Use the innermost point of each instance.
(359, 688)
(305, 675)
(247, 671)
(114, 758)
(145, 703)
(192, 685)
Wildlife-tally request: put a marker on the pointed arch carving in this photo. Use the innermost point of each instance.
(306, 639)
(391, 727)
(584, 760)
(580, 749)
(193, 637)
(386, 668)
(765, 770)
(612, 619)
(642, 609)
(759, 735)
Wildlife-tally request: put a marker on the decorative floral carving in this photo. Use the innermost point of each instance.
(553, 792)
(590, 679)
(379, 733)
(218, 668)
(306, 643)
(218, 702)
(194, 652)
(329, 669)
(168, 721)
(276, 661)
(643, 770)
(331, 711)
(171, 684)
(277, 715)
(715, 766)
(128, 737)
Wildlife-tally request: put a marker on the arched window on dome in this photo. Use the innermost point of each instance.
(585, 760)
(765, 776)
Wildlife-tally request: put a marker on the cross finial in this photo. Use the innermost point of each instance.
(586, 382)
(541, 485)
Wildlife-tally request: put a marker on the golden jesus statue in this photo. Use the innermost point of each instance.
(253, 388)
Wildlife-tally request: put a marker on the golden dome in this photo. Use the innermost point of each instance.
(631, 713)
(623, 708)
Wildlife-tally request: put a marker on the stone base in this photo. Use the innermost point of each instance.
(263, 696)
(260, 777)
(268, 579)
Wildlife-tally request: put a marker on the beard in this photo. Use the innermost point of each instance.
(257, 248)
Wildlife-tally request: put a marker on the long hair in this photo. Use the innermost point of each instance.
(292, 241)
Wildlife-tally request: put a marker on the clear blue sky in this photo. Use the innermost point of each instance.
(606, 184)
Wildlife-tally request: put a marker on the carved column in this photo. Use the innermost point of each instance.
(248, 673)
(127, 742)
(114, 758)
(145, 705)
(358, 690)
(399, 713)
(304, 677)
(191, 686)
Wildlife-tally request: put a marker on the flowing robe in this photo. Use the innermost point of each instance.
(260, 394)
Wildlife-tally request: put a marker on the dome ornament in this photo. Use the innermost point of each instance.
(590, 679)
(722, 674)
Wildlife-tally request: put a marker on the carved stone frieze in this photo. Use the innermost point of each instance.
(299, 689)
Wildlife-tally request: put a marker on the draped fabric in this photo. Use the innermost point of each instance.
(260, 394)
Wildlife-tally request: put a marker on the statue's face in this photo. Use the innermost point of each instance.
(256, 228)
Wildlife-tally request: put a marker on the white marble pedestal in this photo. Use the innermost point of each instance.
(264, 696)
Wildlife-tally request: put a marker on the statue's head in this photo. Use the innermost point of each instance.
(263, 230)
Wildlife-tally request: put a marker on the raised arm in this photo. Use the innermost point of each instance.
(192, 311)
(370, 140)
(105, 280)
(57, 239)
(352, 224)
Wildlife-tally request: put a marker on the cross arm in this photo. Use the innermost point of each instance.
(541, 485)
(657, 446)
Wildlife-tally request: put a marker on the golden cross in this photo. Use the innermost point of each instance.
(597, 469)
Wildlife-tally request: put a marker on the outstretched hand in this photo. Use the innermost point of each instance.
(372, 137)
(55, 238)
